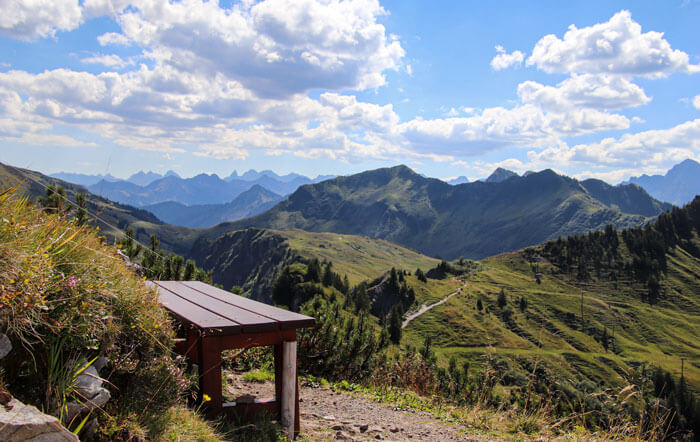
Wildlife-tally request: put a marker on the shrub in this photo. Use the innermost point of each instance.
(66, 296)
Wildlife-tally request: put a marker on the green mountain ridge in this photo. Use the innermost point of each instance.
(439, 219)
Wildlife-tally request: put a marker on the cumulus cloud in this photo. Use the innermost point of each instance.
(231, 81)
(275, 48)
(640, 150)
(111, 60)
(617, 46)
(696, 102)
(599, 91)
(112, 38)
(505, 60)
(498, 127)
(38, 18)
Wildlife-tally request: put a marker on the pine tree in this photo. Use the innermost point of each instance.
(328, 275)
(502, 299)
(313, 272)
(81, 217)
(395, 320)
(54, 200)
(523, 304)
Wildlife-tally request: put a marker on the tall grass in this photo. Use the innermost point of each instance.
(66, 298)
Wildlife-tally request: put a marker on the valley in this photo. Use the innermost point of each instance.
(583, 324)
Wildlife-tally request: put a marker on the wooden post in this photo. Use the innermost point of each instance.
(278, 373)
(210, 375)
(289, 377)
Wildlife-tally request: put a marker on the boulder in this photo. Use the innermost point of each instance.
(89, 387)
(5, 345)
(25, 423)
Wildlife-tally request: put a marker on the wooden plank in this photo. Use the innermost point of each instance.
(259, 339)
(191, 312)
(289, 378)
(248, 321)
(286, 318)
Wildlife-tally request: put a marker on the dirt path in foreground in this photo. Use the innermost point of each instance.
(327, 415)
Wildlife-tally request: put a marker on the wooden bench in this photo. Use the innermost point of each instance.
(217, 320)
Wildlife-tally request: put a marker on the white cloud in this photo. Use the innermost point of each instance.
(497, 128)
(587, 90)
(28, 20)
(505, 60)
(641, 150)
(275, 48)
(617, 46)
(48, 140)
(696, 102)
(233, 81)
(111, 60)
(112, 38)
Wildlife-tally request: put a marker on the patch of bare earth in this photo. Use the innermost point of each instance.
(329, 415)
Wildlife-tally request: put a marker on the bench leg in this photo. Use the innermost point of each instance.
(289, 387)
(210, 375)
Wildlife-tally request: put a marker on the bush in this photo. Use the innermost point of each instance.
(66, 296)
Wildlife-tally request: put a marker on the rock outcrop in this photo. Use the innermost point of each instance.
(21, 422)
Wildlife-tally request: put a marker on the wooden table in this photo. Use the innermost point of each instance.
(218, 320)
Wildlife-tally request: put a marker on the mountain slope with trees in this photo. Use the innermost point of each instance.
(438, 219)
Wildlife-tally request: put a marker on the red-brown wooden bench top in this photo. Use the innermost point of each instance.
(217, 311)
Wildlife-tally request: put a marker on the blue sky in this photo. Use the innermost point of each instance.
(591, 89)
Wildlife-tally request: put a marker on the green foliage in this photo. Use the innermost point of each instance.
(156, 265)
(341, 345)
(522, 305)
(54, 201)
(258, 376)
(68, 298)
(502, 301)
(394, 323)
(81, 217)
(641, 255)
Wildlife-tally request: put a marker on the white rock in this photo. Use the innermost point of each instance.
(26, 423)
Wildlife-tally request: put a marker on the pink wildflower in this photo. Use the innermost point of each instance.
(72, 281)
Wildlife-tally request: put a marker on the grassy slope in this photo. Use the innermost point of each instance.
(360, 257)
(658, 334)
(116, 216)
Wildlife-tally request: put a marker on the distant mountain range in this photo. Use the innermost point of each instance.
(251, 202)
(679, 186)
(198, 190)
(473, 220)
(113, 217)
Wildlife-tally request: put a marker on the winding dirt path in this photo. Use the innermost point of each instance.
(424, 308)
